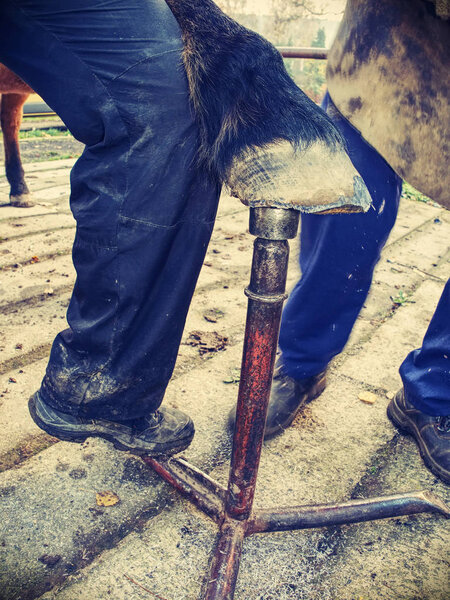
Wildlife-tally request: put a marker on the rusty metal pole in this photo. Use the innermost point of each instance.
(266, 294)
(353, 511)
(296, 52)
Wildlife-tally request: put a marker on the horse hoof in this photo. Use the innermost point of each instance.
(22, 201)
(314, 180)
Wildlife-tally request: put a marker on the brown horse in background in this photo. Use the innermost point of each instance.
(14, 93)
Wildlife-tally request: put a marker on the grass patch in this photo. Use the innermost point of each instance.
(412, 194)
(43, 133)
(401, 299)
(51, 132)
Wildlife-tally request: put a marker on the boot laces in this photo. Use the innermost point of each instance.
(443, 423)
(153, 419)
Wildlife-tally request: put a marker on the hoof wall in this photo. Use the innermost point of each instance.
(314, 180)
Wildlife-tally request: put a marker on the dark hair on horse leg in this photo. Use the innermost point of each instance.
(241, 92)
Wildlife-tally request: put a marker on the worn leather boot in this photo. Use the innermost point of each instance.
(287, 398)
(432, 434)
(165, 431)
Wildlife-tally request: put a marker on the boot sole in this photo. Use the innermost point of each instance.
(81, 437)
(314, 393)
(405, 424)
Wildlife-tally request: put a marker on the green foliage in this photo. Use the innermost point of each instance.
(290, 64)
(314, 79)
(42, 133)
(401, 299)
(319, 40)
(412, 194)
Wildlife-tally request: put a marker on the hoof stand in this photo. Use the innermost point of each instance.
(231, 508)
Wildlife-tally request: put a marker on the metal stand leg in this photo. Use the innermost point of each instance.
(232, 508)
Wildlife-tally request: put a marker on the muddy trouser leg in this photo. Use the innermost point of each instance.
(144, 211)
(426, 372)
(337, 258)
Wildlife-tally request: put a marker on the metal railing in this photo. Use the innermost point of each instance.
(295, 52)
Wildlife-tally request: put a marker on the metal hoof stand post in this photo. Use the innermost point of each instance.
(232, 508)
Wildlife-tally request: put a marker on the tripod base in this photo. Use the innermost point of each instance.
(210, 497)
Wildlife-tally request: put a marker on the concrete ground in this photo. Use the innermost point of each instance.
(56, 542)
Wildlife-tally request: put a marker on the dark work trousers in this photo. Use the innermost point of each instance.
(337, 258)
(112, 70)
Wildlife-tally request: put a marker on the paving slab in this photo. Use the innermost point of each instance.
(48, 505)
(13, 212)
(37, 246)
(47, 165)
(417, 256)
(15, 422)
(152, 542)
(29, 225)
(412, 214)
(324, 457)
(51, 521)
(401, 559)
(26, 282)
(54, 193)
(378, 363)
(30, 329)
(37, 178)
(443, 268)
(320, 459)
(418, 253)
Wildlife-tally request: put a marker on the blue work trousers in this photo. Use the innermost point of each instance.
(112, 70)
(337, 259)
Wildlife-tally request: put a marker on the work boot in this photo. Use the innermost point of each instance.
(165, 431)
(287, 398)
(432, 434)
